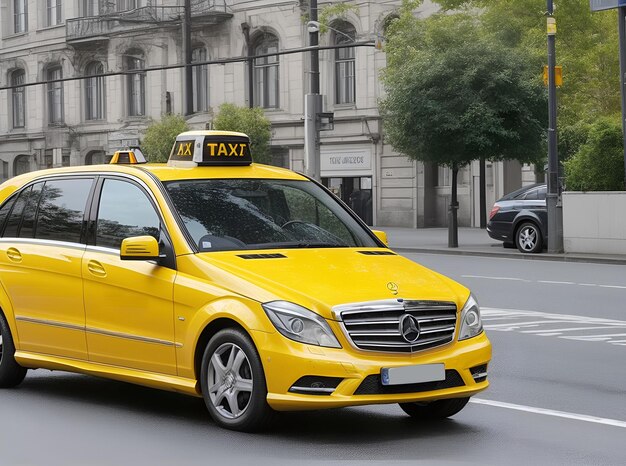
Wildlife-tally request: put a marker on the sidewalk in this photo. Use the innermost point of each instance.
(476, 242)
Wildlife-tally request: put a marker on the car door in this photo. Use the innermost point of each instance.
(128, 304)
(40, 266)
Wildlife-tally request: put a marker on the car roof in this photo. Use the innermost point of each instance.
(162, 171)
(514, 194)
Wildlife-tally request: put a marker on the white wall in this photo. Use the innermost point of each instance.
(594, 222)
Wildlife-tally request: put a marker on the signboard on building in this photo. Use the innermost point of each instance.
(598, 5)
(346, 161)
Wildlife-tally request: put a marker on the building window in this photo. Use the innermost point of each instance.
(266, 70)
(200, 80)
(124, 5)
(54, 12)
(18, 100)
(345, 76)
(136, 86)
(94, 92)
(55, 95)
(21, 164)
(91, 7)
(96, 157)
(20, 16)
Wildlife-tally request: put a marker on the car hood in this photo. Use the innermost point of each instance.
(319, 279)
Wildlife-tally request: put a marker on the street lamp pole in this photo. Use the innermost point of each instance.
(187, 57)
(555, 213)
(313, 100)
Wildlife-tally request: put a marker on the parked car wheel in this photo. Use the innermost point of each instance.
(233, 382)
(528, 238)
(11, 373)
(439, 409)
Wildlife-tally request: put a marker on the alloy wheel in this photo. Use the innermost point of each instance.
(230, 381)
(528, 238)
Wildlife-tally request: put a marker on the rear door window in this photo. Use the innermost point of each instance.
(15, 218)
(4, 211)
(62, 209)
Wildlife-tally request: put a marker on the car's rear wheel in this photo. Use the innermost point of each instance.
(233, 382)
(528, 238)
(439, 409)
(11, 373)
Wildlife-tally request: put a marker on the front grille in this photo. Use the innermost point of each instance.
(375, 326)
(371, 385)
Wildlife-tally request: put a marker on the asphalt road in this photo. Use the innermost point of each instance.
(558, 394)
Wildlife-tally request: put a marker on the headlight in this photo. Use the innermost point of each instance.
(471, 324)
(299, 324)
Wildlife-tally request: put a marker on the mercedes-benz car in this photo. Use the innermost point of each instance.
(250, 286)
(520, 219)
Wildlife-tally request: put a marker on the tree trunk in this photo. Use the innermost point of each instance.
(483, 194)
(453, 230)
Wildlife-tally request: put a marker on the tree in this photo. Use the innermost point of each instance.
(251, 121)
(586, 47)
(599, 163)
(160, 137)
(456, 94)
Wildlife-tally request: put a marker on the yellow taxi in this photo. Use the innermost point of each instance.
(251, 286)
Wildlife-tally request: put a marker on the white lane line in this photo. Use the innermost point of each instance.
(497, 278)
(545, 282)
(551, 412)
(551, 282)
(575, 329)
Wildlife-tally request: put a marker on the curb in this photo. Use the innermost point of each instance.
(620, 260)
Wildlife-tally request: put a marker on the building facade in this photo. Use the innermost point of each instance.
(84, 121)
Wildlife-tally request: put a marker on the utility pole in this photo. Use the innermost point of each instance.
(555, 212)
(188, 70)
(313, 100)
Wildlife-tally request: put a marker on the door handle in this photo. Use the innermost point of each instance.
(96, 268)
(14, 255)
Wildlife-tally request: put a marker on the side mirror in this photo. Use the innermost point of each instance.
(381, 235)
(139, 248)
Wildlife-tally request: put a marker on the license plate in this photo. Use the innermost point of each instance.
(413, 374)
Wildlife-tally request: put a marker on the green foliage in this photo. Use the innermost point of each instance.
(329, 12)
(599, 164)
(251, 121)
(571, 138)
(456, 94)
(160, 136)
(586, 47)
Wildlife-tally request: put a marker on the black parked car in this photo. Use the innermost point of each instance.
(520, 218)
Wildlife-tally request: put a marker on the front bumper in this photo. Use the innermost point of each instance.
(286, 362)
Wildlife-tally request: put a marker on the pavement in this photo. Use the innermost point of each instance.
(476, 242)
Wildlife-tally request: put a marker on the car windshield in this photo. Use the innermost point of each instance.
(235, 214)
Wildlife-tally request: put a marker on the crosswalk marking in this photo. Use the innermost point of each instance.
(567, 327)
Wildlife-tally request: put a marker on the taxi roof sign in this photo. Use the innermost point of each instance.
(128, 156)
(206, 148)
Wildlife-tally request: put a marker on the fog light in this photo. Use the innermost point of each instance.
(315, 385)
(479, 373)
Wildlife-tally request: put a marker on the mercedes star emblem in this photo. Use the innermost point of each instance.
(409, 328)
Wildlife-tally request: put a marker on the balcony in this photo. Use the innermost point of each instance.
(108, 23)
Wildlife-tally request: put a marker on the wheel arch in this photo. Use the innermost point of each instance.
(207, 333)
(527, 216)
(6, 309)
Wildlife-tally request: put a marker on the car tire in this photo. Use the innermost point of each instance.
(528, 238)
(11, 373)
(433, 410)
(233, 382)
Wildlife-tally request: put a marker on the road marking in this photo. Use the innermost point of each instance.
(551, 412)
(592, 329)
(545, 282)
(551, 282)
(497, 278)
